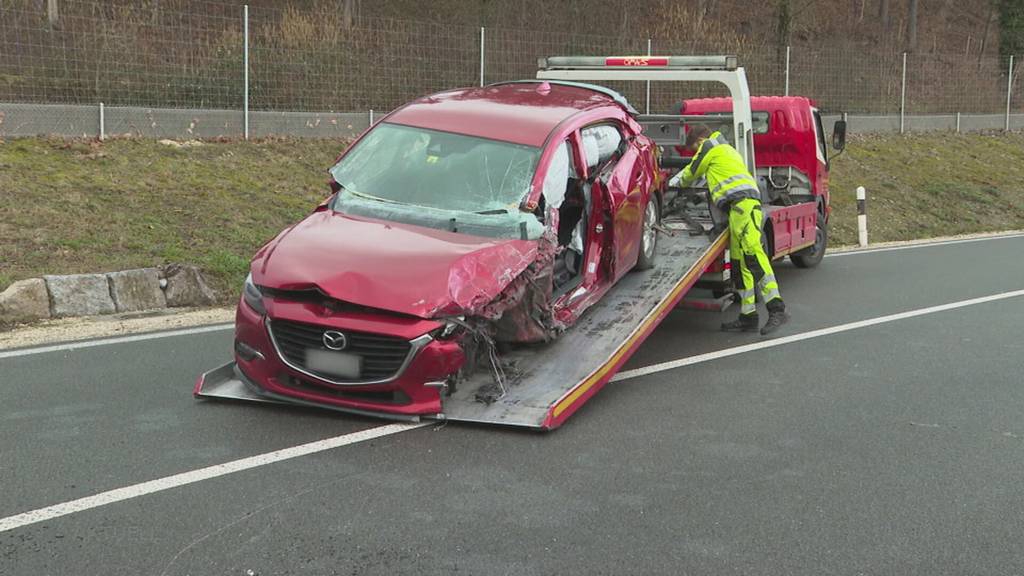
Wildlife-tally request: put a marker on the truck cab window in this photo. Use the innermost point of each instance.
(819, 137)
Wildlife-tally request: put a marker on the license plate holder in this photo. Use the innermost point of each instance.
(337, 364)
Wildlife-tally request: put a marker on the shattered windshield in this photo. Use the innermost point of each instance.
(415, 166)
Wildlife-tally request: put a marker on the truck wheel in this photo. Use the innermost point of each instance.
(810, 257)
(648, 234)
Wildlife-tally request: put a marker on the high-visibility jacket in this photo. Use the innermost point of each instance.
(727, 175)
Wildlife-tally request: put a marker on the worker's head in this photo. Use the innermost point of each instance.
(696, 134)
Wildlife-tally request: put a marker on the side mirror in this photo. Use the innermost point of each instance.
(839, 135)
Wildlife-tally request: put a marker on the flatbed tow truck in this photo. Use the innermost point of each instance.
(556, 379)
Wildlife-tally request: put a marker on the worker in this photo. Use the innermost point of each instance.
(734, 191)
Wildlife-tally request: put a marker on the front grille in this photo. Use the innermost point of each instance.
(379, 396)
(382, 356)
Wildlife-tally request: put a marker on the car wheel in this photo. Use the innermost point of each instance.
(649, 234)
(810, 257)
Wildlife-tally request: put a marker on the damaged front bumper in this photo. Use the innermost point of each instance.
(268, 364)
(228, 382)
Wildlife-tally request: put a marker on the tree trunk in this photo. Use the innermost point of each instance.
(912, 26)
(52, 13)
(783, 24)
(348, 13)
(883, 14)
(988, 24)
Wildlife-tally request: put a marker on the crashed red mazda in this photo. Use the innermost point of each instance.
(461, 225)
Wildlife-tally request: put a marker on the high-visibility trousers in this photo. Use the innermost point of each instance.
(745, 221)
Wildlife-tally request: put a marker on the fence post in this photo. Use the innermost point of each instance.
(103, 122)
(1009, 92)
(647, 109)
(903, 94)
(371, 117)
(481, 55)
(862, 216)
(787, 72)
(957, 122)
(245, 75)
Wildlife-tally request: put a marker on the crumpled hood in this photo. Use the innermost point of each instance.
(397, 267)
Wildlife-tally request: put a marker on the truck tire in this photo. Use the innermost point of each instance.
(649, 235)
(811, 257)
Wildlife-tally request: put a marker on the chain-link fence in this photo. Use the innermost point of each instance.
(161, 69)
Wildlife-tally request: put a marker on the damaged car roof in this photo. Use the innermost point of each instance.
(521, 112)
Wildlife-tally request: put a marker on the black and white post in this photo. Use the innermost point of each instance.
(862, 216)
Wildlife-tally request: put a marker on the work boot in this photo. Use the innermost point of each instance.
(777, 316)
(745, 323)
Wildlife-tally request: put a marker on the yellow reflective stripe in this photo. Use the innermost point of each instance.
(718, 187)
(772, 295)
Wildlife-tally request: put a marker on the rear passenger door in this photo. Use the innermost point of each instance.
(606, 150)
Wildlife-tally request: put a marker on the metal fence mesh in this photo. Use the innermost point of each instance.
(121, 54)
(318, 59)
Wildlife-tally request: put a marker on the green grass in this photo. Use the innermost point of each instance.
(927, 185)
(82, 206)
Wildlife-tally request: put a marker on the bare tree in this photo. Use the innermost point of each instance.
(912, 25)
(349, 12)
(988, 24)
(783, 23)
(52, 13)
(883, 14)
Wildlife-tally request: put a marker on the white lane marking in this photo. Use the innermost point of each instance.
(115, 340)
(166, 483)
(691, 360)
(911, 244)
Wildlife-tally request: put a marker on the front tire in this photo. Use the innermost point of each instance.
(811, 257)
(649, 234)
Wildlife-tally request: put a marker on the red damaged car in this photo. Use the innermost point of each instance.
(461, 224)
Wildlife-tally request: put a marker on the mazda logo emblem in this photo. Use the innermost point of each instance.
(335, 340)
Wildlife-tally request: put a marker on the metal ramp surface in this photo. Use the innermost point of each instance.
(552, 381)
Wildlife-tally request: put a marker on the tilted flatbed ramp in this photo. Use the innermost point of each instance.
(552, 381)
(557, 378)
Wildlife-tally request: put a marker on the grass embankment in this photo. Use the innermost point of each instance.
(68, 207)
(927, 185)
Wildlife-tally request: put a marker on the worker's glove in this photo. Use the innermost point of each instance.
(674, 181)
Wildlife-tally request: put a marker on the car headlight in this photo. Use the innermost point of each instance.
(252, 295)
(450, 329)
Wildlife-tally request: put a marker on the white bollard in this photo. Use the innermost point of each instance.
(862, 216)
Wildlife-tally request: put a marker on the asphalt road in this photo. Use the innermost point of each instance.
(891, 449)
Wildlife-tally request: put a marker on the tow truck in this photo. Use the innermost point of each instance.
(555, 379)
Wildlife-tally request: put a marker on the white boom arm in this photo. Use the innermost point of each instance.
(722, 69)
